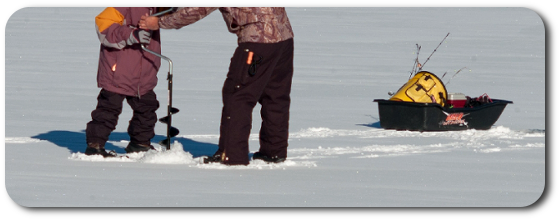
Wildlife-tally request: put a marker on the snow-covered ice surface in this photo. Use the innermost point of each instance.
(338, 154)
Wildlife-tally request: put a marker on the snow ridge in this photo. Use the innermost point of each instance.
(21, 140)
(477, 141)
(496, 132)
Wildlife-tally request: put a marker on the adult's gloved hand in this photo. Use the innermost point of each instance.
(139, 36)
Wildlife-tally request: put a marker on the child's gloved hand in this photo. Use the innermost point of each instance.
(139, 36)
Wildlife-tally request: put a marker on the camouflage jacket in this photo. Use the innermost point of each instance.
(257, 25)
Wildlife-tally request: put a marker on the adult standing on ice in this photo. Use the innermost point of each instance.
(261, 70)
(125, 72)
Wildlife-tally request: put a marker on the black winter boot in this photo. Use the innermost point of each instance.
(213, 159)
(260, 156)
(97, 149)
(133, 147)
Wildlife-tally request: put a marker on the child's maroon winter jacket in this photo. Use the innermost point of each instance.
(124, 67)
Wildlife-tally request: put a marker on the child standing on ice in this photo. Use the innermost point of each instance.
(125, 72)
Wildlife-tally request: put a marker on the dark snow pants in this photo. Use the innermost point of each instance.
(260, 73)
(106, 115)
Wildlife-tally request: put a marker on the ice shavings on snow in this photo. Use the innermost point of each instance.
(176, 155)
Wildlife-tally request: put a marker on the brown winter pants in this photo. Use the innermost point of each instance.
(260, 73)
(106, 115)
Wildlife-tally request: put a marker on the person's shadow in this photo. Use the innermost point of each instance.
(76, 142)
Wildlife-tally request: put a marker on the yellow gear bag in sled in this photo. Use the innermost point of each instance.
(424, 87)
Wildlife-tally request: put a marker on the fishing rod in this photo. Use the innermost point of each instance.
(432, 52)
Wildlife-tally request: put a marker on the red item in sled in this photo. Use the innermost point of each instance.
(457, 100)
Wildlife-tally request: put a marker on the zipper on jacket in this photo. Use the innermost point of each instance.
(141, 62)
(139, 79)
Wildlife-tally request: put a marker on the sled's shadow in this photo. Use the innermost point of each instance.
(76, 142)
(374, 124)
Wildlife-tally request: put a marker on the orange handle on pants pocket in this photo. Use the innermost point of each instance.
(250, 58)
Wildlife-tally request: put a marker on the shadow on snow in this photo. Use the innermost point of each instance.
(76, 142)
(372, 125)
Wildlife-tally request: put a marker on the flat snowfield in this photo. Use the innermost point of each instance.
(338, 154)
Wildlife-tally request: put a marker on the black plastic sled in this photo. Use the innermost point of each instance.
(416, 116)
